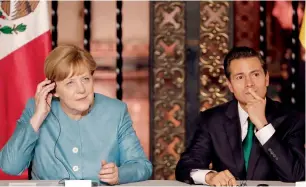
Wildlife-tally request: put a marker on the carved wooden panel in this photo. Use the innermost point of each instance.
(167, 86)
(214, 44)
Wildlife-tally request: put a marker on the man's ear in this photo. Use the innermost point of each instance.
(267, 77)
(229, 85)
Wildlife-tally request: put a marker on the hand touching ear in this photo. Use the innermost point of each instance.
(42, 103)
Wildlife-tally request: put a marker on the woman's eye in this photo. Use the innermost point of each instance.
(69, 83)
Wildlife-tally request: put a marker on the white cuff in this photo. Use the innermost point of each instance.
(265, 133)
(198, 175)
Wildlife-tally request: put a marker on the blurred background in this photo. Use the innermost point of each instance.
(172, 56)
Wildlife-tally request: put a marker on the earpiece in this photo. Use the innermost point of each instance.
(53, 91)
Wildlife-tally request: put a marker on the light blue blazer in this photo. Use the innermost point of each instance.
(105, 133)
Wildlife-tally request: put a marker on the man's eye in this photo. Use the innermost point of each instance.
(239, 77)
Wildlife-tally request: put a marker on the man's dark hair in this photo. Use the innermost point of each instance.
(238, 53)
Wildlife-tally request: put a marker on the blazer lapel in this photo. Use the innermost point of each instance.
(256, 148)
(233, 130)
(255, 155)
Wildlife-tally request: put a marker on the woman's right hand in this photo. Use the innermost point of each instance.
(43, 99)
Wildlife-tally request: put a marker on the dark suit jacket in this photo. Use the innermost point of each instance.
(218, 140)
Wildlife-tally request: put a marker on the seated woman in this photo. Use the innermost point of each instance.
(70, 132)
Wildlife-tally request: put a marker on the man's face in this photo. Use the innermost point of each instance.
(245, 74)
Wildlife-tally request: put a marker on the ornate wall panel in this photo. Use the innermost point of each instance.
(167, 76)
(215, 41)
(247, 24)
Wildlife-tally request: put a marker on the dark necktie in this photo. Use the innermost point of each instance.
(247, 143)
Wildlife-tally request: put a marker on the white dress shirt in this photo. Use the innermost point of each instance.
(263, 135)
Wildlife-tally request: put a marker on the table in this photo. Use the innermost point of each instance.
(177, 183)
(28, 183)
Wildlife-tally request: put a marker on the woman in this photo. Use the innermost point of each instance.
(70, 132)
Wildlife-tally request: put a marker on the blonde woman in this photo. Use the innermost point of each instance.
(69, 132)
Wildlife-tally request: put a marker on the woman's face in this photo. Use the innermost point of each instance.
(76, 93)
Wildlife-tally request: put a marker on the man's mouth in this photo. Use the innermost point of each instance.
(248, 93)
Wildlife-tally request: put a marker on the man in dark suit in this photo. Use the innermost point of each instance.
(250, 137)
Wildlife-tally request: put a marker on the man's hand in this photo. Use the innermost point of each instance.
(223, 178)
(109, 173)
(256, 110)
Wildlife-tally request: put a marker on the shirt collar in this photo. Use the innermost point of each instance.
(243, 115)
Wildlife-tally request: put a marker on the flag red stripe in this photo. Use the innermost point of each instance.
(20, 72)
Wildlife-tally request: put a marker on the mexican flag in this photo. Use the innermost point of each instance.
(24, 44)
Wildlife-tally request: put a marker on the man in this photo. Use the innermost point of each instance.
(250, 137)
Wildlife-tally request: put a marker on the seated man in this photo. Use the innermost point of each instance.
(250, 137)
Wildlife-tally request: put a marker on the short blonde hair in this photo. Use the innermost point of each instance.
(68, 60)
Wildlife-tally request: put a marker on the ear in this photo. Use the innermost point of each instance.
(229, 85)
(54, 91)
(267, 79)
(55, 94)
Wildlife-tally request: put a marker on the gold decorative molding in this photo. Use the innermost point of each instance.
(214, 44)
(168, 87)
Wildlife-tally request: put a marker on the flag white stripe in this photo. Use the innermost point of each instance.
(36, 23)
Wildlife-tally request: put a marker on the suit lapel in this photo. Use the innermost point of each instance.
(255, 155)
(233, 130)
(256, 147)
